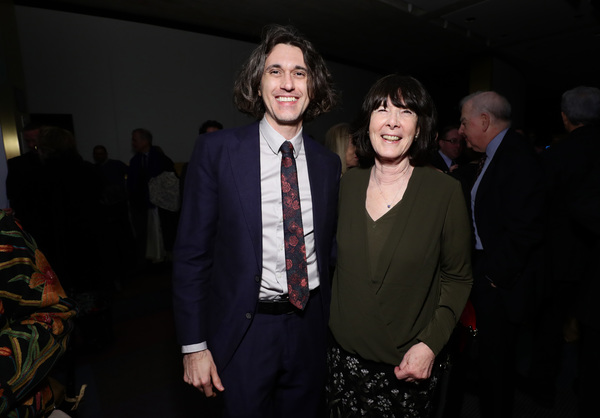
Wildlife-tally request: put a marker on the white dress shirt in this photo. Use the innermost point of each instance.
(274, 278)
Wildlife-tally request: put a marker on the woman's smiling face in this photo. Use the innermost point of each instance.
(392, 131)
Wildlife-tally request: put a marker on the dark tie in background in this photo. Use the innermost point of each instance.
(293, 232)
(480, 164)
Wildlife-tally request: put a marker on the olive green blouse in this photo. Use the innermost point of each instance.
(406, 277)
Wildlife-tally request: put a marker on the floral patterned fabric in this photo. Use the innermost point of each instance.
(361, 388)
(35, 321)
(293, 232)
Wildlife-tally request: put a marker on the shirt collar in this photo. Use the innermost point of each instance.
(447, 160)
(494, 144)
(274, 139)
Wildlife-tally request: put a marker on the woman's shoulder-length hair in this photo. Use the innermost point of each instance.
(405, 92)
(320, 86)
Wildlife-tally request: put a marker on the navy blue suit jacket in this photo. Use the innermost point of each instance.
(218, 252)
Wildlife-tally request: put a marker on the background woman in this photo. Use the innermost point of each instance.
(339, 140)
(403, 272)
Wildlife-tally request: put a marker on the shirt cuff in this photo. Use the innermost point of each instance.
(192, 348)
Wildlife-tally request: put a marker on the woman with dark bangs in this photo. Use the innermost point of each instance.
(403, 272)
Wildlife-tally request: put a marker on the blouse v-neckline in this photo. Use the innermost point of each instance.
(394, 207)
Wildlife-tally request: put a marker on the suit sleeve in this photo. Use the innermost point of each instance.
(584, 201)
(194, 248)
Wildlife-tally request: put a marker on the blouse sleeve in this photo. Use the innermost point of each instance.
(455, 271)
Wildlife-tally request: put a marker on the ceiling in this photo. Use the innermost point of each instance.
(548, 41)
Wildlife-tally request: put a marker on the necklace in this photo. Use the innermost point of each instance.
(389, 205)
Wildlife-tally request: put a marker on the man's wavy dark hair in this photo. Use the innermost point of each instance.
(320, 88)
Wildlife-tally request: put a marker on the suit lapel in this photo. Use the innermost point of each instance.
(314, 164)
(244, 154)
(317, 166)
(484, 185)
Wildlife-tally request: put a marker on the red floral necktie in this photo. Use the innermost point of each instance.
(293, 233)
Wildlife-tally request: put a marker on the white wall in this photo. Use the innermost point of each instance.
(114, 76)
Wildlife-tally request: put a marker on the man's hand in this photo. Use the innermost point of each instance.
(200, 371)
(416, 364)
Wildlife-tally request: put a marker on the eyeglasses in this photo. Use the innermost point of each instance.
(452, 141)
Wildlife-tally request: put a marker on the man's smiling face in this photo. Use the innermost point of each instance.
(284, 88)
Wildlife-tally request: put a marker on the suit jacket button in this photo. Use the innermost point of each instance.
(257, 278)
(248, 315)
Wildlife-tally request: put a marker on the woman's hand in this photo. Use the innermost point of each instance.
(416, 364)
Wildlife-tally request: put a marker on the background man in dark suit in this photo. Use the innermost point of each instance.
(450, 149)
(452, 158)
(22, 181)
(148, 161)
(572, 240)
(506, 201)
(239, 330)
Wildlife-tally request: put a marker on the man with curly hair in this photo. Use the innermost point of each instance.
(250, 315)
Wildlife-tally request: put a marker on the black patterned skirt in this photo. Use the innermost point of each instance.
(361, 388)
